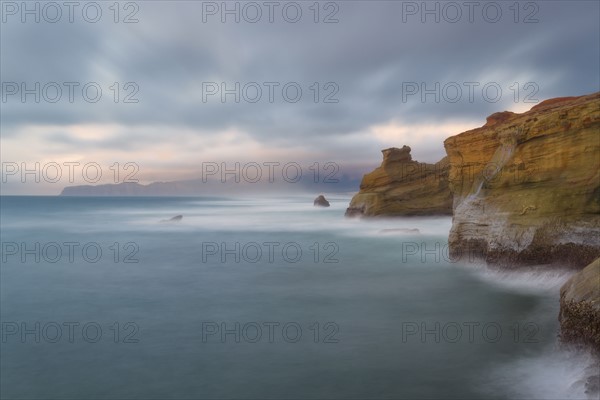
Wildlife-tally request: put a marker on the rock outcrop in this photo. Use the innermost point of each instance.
(527, 186)
(401, 231)
(176, 218)
(580, 307)
(403, 187)
(321, 201)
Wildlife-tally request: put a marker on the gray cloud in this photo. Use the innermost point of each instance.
(368, 54)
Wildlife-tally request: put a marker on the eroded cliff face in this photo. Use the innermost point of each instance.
(403, 187)
(527, 186)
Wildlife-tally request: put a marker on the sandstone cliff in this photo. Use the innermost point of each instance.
(527, 186)
(401, 186)
(580, 307)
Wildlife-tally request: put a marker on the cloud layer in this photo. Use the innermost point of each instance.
(362, 78)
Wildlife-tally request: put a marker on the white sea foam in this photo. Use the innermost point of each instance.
(543, 279)
(561, 371)
(558, 373)
(298, 215)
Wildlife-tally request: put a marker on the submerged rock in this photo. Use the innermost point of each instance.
(176, 218)
(580, 307)
(400, 230)
(592, 386)
(527, 186)
(321, 201)
(402, 187)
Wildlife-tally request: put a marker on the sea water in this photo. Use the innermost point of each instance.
(264, 298)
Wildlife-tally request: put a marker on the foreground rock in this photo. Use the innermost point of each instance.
(321, 201)
(527, 186)
(580, 307)
(401, 186)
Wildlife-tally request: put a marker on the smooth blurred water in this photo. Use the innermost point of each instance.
(365, 305)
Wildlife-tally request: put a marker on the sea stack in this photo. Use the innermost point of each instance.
(403, 187)
(321, 201)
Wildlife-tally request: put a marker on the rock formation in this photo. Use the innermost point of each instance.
(527, 186)
(580, 307)
(176, 218)
(401, 186)
(321, 201)
(410, 231)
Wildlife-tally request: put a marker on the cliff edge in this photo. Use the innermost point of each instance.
(527, 186)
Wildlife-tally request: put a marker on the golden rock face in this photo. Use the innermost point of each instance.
(401, 187)
(527, 186)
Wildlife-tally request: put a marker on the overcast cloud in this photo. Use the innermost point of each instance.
(366, 61)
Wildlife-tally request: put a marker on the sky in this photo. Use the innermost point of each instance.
(165, 88)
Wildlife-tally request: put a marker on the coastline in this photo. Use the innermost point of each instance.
(526, 191)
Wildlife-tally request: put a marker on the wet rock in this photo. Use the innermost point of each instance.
(321, 201)
(592, 386)
(580, 307)
(176, 218)
(412, 231)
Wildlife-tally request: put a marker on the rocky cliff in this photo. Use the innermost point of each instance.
(580, 307)
(527, 186)
(401, 186)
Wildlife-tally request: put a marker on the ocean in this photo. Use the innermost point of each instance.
(264, 297)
